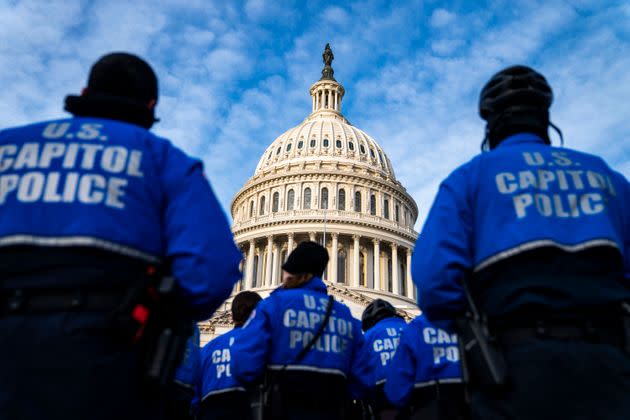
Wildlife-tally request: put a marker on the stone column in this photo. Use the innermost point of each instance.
(395, 283)
(314, 103)
(268, 272)
(290, 244)
(249, 274)
(332, 275)
(355, 261)
(330, 99)
(275, 276)
(409, 281)
(377, 264)
(336, 101)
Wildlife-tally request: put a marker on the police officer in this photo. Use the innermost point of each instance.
(539, 235)
(311, 385)
(382, 327)
(182, 402)
(222, 396)
(424, 378)
(88, 206)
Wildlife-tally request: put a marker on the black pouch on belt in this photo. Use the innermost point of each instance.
(154, 319)
(482, 359)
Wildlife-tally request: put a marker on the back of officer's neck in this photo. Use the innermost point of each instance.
(296, 280)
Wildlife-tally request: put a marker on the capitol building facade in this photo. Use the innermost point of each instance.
(326, 181)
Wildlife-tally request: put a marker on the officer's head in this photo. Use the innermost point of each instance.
(243, 305)
(376, 311)
(515, 100)
(121, 86)
(308, 259)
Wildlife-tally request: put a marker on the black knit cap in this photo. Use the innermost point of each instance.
(307, 257)
(123, 74)
(120, 87)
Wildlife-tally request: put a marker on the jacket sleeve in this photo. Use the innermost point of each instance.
(198, 241)
(401, 372)
(361, 372)
(626, 226)
(443, 255)
(251, 349)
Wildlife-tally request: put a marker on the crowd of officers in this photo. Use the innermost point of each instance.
(278, 364)
(114, 245)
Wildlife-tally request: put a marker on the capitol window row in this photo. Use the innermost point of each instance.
(363, 200)
(350, 146)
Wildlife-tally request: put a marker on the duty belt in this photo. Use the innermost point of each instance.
(605, 332)
(29, 301)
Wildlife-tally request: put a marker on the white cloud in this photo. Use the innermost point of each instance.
(227, 64)
(441, 18)
(336, 15)
(445, 46)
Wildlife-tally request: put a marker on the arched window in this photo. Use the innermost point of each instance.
(275, 201)
(326, 143)
(386, 208)
(372, 153)
(373, 205)
(251, 209)
(341, 200)
(362, 149)
(396, 213)
(278, 150)
(323, 202)
(390, 280)
(341, 266)
(289, 147)
(338, 144)
(312, 143)
(357, 201)
(351, 146)
(261, 209)
(300, 144)
(290, 199)
(307, 198)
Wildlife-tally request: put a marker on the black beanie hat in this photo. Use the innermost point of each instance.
(123, 74)
(307, 257)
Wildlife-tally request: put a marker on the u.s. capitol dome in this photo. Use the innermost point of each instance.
(327, 181)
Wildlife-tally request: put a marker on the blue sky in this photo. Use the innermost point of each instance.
(234, 75)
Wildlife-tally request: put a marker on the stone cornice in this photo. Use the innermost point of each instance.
(286, 220)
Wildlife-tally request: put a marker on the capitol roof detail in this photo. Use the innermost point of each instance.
(326, 134)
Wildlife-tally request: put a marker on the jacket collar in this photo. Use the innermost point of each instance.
(315, 284)
(521, 138)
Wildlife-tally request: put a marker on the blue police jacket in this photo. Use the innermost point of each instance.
(188, 372)
(381, 342)
(427, 354)
(521, 196)
(115, 186)
(216, 372)
(285, 322)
